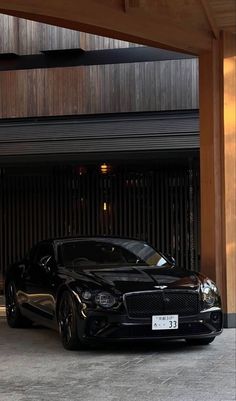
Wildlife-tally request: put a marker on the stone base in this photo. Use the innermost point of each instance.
(230, 320)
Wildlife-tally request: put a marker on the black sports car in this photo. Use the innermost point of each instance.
(107, 288)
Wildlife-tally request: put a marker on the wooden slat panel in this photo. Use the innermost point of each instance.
(23, 36)
(36, 205)
(164, 85)
(9, 34)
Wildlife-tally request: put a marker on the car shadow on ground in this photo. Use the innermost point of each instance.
(124, 346)
(48, 341)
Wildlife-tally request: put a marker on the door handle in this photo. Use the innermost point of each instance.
(22, 268)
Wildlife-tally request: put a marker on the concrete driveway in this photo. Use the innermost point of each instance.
(35, 367)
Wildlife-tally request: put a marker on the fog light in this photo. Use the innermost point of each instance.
(96, 325)
(215, 316)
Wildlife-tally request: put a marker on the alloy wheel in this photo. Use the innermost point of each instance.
(11, 305)
(66, 318)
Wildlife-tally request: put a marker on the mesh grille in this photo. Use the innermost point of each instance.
(146, 304)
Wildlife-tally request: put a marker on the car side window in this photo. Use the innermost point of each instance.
(43, 249)
(32, 253)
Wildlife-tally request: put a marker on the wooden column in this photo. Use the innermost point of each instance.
(218, 168)
(229, 126)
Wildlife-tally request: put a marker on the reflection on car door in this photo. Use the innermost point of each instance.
(39, 284)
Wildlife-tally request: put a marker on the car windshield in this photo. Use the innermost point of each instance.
(118, 252)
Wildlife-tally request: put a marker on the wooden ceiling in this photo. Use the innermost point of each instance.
(224, 14)
(186, 25)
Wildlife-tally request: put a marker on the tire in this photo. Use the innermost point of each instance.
(15, 319)
(68, 322)
(199, 341)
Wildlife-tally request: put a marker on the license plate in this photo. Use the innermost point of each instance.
(165, 322)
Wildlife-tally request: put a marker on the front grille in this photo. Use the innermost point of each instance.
(146, 304)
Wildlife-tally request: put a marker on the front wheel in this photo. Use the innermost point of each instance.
(199, 341)
(67, 322)
(14, 317)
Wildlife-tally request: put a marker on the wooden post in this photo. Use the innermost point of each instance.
(229, 126)
(218, 165)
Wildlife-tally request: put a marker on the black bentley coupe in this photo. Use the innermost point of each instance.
(105, 288)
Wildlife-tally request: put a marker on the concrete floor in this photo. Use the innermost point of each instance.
(35, 367)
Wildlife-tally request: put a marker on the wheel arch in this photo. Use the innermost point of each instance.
(61, 290)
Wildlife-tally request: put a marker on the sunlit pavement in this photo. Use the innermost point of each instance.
(35, 367)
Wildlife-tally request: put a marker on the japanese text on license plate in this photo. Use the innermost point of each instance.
(165, 322)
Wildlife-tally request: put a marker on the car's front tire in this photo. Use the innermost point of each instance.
(15, 319)
(68, 322)
(199, 341)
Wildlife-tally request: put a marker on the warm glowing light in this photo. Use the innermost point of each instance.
(104, 206)
(105, 168)
(229, 101)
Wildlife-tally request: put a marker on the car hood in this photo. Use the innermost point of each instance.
(141, 278)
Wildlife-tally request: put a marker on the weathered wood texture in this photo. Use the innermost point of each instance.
(165, 85)
(23, 36)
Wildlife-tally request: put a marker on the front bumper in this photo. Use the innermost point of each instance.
(108, 326)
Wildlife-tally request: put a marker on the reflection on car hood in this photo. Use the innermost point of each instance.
(128, 279)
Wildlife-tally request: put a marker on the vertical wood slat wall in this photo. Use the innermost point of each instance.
(135, 87)
(160, 206)
(23, 36)
(147, 86)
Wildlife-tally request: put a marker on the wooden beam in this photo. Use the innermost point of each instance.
(210, 17)
(134, 3)
(109, 19)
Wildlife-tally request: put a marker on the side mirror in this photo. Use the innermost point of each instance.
(47, 264)
(171, 259)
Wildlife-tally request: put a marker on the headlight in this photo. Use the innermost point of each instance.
(105, 299)
(210, 294)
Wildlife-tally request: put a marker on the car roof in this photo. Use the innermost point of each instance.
(95, 237)
(106, 238)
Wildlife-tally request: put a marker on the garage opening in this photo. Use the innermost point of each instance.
(158, 203)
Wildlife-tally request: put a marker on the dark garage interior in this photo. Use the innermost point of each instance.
(131, 174)
(158, 202)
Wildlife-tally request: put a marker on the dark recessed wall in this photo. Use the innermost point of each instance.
(158, 204)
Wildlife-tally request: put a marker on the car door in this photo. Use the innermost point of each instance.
(40, 281)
